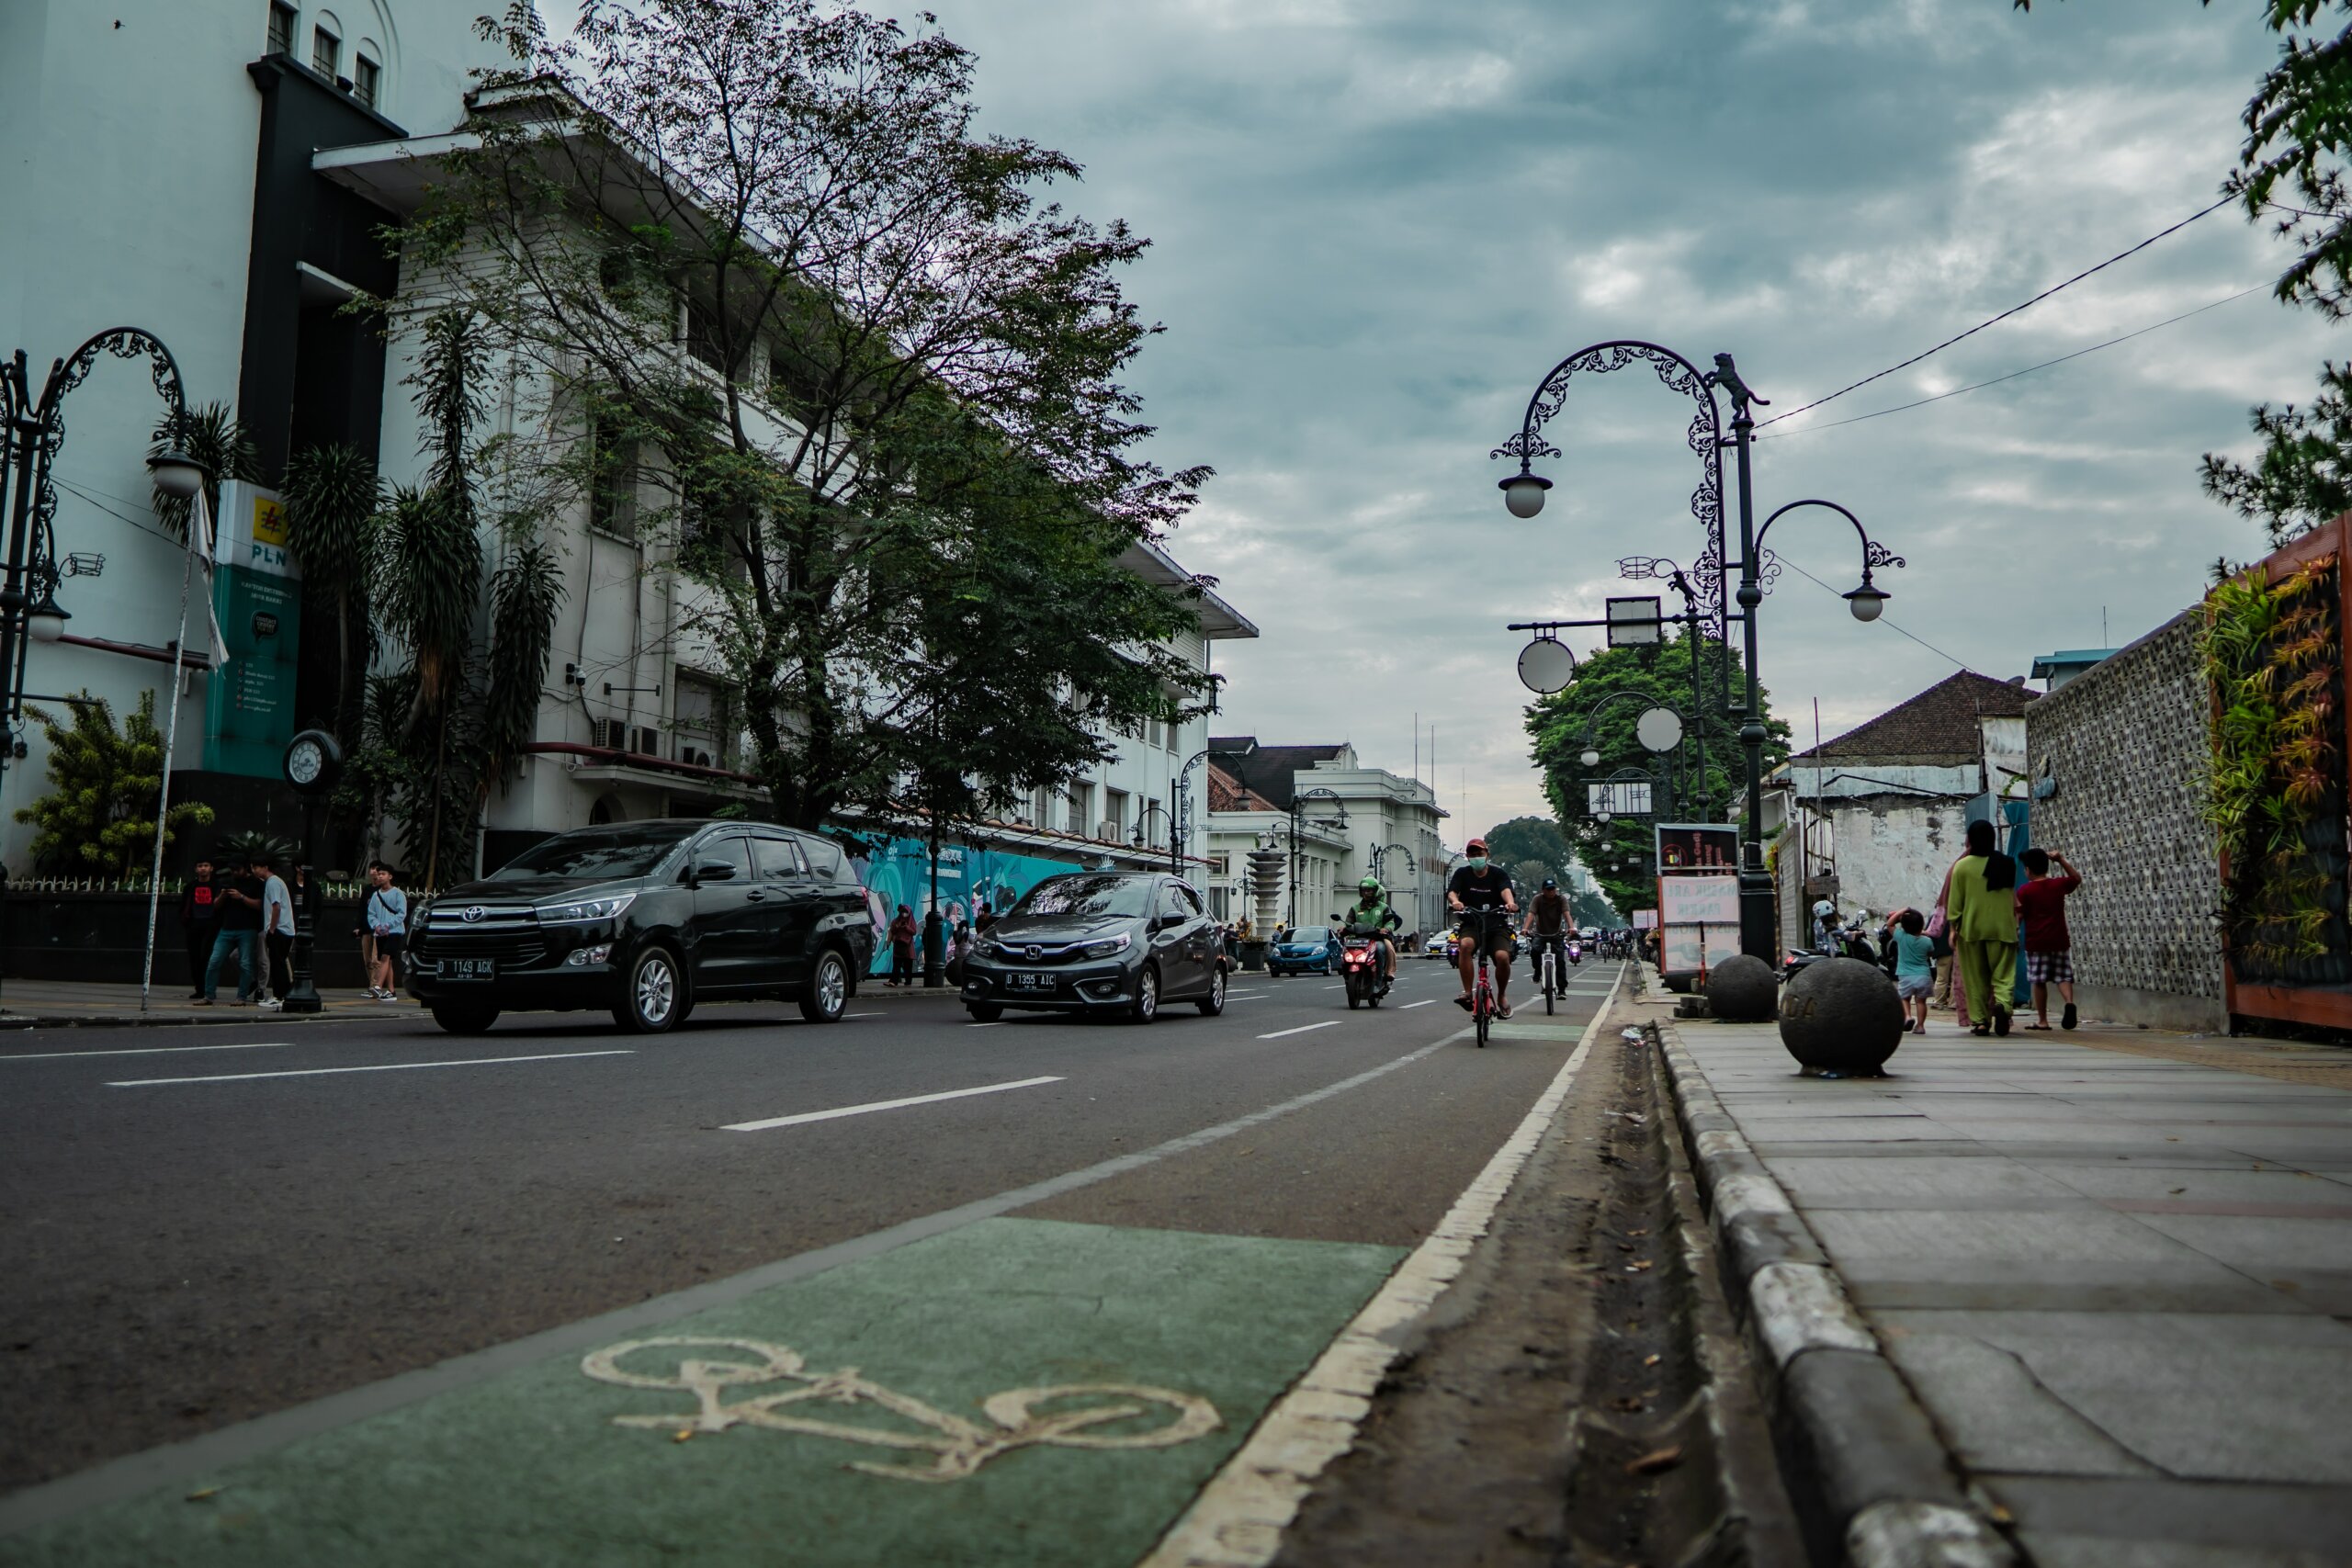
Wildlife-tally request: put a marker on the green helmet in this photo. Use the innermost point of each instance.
(1370, 888)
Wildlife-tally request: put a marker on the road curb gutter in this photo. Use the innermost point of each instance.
(1237, 1519)
(1873, 1483)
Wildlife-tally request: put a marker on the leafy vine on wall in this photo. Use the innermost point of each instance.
(2275, 795)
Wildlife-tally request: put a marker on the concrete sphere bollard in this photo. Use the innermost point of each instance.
(1842, 1015)
(1742, 990)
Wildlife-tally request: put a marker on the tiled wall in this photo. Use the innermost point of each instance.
(2126, 744)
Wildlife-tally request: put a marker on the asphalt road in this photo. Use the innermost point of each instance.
(204, 1226)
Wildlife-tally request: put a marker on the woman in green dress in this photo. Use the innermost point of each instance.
(1983, 914)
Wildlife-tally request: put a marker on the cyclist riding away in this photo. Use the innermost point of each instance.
(1550, 923)
(1479, 885)
(1372, 911)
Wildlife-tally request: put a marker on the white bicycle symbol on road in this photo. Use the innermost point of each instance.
(958, 1446)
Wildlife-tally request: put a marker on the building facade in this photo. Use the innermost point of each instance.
(1352, 821)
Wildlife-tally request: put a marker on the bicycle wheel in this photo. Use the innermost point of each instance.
(1482, 1008)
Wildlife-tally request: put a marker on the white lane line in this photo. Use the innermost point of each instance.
(1341, 986)
(1245, 995)
(383, 1068)
(1277, 1035)
(993, 1023)
(763, 1126)
(148, 1050)
(1410, 1005)
(851, 1015)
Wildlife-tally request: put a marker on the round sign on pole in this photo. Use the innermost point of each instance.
(1659, 730)
(1546, 666)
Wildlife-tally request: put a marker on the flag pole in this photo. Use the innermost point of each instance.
(199, 531)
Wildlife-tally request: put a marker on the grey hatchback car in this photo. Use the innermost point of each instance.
(1116, 944)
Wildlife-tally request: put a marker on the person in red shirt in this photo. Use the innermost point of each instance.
(2049, 957)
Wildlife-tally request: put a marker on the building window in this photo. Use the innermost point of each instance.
(365, 76)
(327, 53)
(705, 734)
(281, 27)
(611, 484)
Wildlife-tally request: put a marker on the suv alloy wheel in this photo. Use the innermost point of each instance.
(826, 995)
(656, 988)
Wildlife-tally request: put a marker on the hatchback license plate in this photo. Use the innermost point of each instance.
(469, 969)
(1019, 982)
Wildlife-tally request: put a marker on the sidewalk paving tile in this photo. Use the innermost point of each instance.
(2116, 1271)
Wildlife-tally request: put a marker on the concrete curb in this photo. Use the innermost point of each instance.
(1873, 1485)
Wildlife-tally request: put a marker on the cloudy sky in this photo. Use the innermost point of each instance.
(1377, 223)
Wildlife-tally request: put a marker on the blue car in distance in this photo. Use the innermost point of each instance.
(1313, 950)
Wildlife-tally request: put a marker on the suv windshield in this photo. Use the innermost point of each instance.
(1125, 896)
(592, 852)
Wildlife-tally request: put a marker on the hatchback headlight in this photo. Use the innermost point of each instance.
(586, 911)
(1108, 946)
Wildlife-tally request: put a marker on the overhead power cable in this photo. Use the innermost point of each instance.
(2003, 316)
(1978, 386)
(1826, 588)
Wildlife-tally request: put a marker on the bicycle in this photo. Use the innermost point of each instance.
(1482, 994)
(1547, 949)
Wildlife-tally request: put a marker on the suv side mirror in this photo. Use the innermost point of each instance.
(1166, 922)
(715, 871)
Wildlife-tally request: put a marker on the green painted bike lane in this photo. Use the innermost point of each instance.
(1016, 1391)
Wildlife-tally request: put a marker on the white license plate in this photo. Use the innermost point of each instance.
(469, 969)
(1029, 982)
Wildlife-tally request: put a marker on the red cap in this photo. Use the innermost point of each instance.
(1474, 845)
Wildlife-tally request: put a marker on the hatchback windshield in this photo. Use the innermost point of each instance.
(1125, 898)
(592, 852)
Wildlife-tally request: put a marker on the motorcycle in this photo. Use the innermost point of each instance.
(1576, 951)
(1361, 957)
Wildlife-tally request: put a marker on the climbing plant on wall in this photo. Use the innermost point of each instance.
(2276, 794)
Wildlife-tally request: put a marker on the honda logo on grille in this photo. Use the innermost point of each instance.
(475, 912)
(1037, 952)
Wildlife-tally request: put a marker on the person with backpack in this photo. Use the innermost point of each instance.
(387, 915)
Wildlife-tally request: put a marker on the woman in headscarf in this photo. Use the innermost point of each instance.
(1980, 902)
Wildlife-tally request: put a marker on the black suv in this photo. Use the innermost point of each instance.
(645, 918)
(1112, 944)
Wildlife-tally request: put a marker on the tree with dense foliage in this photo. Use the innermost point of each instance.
(1617, 851)
(792, 316)
(98, 817)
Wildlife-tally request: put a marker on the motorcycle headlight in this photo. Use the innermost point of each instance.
(586, 911)
(1108, 946)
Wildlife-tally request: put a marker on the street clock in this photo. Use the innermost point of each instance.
(312, 762)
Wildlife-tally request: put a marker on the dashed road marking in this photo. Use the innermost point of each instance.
(763, 1126)
(378, 1067)
(1422, 1003)
(1277, 1035)
(148, 1050)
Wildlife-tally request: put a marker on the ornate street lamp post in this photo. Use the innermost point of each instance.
(1298, 819)
(1523, 494)
(1140, 838)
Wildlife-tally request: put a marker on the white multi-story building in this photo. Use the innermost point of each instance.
(1349, 819)
(300, 132)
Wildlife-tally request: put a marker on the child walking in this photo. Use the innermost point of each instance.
(2049, 948)
(1914, 969)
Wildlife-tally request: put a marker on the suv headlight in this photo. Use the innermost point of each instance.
(1108, 946)
(586, 911)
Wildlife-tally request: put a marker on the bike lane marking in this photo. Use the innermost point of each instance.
(378, 1067)
(1018, 1392)
(874, 1105)
(175, 1468)
(1425, 1001)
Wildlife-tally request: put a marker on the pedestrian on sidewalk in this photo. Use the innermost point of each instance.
(2048, 949)
(387, 915)
(1983, 904)
(902, 948)
(276, 931)
(1950, 991)
(239, 940)
(199, 924)
(1915, 968)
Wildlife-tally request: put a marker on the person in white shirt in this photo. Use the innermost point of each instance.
(276, 931)
(387, 909)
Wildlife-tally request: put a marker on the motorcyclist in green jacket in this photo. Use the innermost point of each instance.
(1370, 912)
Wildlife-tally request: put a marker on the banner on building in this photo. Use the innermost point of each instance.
(249, 702)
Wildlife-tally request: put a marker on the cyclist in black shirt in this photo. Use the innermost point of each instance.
(1480, 884)
(1550, 923)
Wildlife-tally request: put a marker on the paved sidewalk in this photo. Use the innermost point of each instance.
(2114, 1267)
(30, 1004)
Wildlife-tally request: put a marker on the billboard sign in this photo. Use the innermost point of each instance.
(1619, 797)
(1687, 848)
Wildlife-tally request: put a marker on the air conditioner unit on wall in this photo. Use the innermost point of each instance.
(1106, 829)
(646, 741)
(608, 733)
